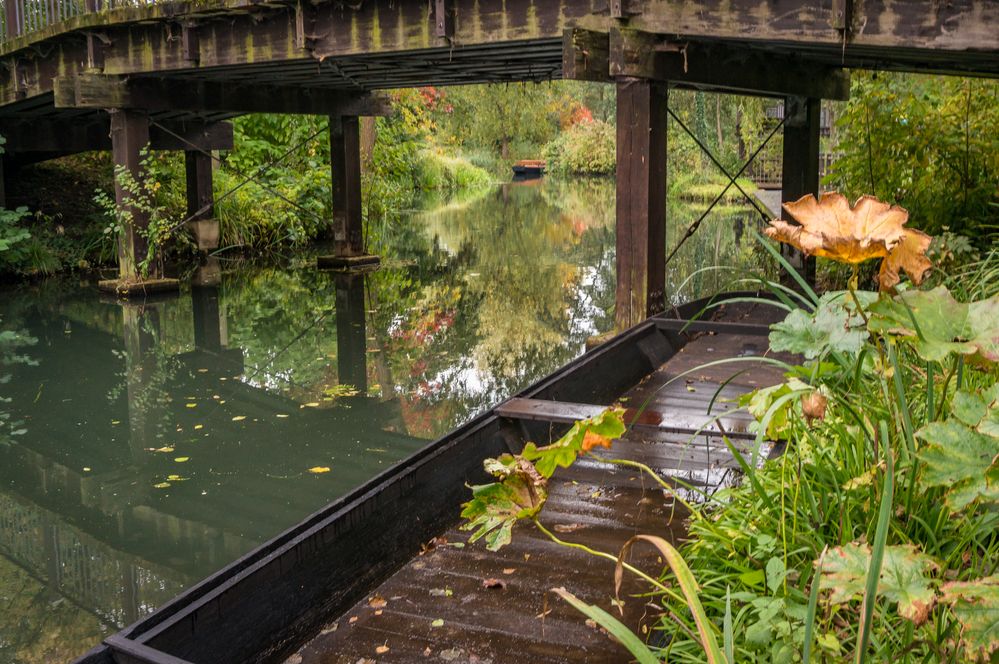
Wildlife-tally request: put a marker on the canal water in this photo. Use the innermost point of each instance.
(145, 445)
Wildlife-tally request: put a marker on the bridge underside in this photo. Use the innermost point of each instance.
(169, 74)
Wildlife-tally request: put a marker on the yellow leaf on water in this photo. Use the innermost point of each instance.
(202, 370)
(168, 448)
(182, 459)
(115, 422)
(161, 485)
(239, 418)
(86, 469)
(311, 404)
(199, 426)
(319, 469)
(282, 415)
(192, 405)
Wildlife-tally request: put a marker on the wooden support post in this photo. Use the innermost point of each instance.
(129, 137)
(345, 167)
(641, 201)
(200, 200)
(801, 166)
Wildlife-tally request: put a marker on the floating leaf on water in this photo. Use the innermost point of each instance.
(202, 370)
(281, 415)
(175, 478)
(311, 404)
(86, 469)
(182, 459)
(239, 418)
(115, 422)
(161, 485)
(319, 469)
(168, 448)
(191, 405)
(199, 426)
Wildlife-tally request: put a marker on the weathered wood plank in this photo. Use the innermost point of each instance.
(585, 55)
(666, 416)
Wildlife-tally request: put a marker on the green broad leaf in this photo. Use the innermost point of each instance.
(905, 577)
(563, 453)
(495, 508)
(976, 606)
(938, 326)
(960, 458)
(832, 327)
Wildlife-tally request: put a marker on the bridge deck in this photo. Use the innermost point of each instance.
(498, 606)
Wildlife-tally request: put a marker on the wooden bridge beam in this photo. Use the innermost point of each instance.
(67, 136)
(721, 67)
(800, 169)
(163, 94)
(641, 201)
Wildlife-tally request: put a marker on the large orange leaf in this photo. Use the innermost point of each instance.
(831, 228)
(908, 255)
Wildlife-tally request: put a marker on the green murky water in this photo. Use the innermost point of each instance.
(147, 445)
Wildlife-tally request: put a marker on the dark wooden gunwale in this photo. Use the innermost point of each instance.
(243, 612)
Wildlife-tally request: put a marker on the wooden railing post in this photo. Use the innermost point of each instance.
(14, 17)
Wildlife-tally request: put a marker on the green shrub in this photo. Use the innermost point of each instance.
(586, 148)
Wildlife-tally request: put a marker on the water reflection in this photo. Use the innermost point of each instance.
(158, 441)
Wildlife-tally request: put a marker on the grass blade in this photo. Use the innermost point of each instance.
(728, 633)
(691, 591)
(813, 607)
(638, 648)
(878, 550)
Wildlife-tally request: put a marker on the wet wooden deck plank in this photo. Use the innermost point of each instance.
(592, 503)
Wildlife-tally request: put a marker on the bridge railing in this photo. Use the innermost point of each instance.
(21, 17)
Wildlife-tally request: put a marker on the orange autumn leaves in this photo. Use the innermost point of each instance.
(831, 228)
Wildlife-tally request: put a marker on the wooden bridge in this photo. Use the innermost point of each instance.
(120, 74)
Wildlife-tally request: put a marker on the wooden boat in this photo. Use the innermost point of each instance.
(529, 168)
(291, 591)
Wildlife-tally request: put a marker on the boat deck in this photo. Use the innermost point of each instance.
(458, 602)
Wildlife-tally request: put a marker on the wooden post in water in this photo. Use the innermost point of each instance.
(129, 139)
(641, 200)
(200, 199)
(129, 136)
(345, 166)
(802, 120)
(351, 333)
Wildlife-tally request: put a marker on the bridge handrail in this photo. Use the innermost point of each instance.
(23, 17)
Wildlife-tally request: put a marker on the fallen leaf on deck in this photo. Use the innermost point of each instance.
(377, 602)
(493, 584)
(427, 651)
(437, 623)
(353, 619)
(319, 469)
(441, 592)
(566, 527)
(509, 570)
(381, 650)
(378, 612)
